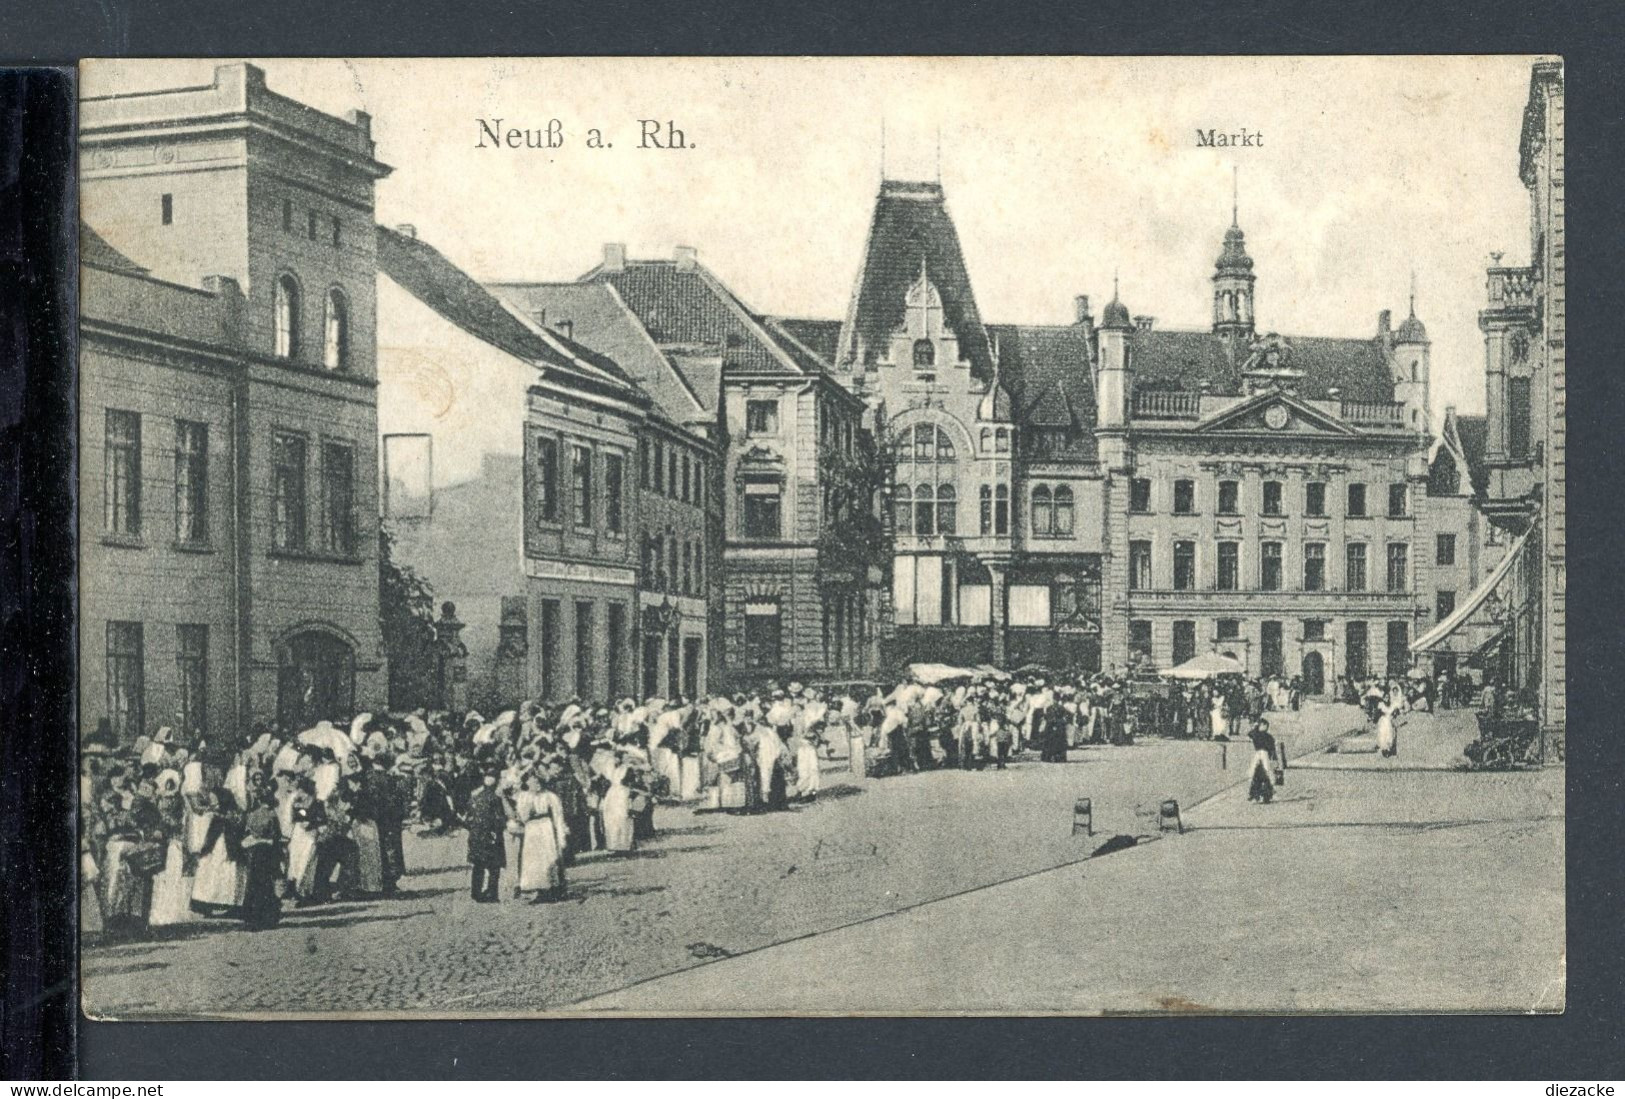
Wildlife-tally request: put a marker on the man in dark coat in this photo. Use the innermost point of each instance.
(487, 852)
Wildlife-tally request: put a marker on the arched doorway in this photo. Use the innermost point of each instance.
(1314, 673)
(315, 680)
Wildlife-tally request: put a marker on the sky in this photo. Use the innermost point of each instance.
(1060, 173)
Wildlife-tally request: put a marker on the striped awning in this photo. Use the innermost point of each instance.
(1465, 610)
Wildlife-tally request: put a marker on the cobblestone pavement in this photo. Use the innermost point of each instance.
(1353, 891)
(709, 887)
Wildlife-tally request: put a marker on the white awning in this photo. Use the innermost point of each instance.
(1462, 613)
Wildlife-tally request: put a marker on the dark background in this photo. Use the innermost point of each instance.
(37, 848)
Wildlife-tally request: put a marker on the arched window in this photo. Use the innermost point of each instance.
(925, 354)
(1043, 515)
(947, 510)
(985, 496)
(1001, 510)
(1415, 375)
(905, 510)
(336, 332)
(1063, 511)
(287, 317)
(987, 440)
(945, 446)
(1001, 441)
(925, 512)
(924, 443)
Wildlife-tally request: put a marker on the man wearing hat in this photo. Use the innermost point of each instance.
(487, 851)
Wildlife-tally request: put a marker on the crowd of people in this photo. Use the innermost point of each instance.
(242, 828)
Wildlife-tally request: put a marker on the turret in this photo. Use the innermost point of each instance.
(1410, 369)
(1115, 381)
(1233, 286)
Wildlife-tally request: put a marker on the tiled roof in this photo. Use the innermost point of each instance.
(95, 251)
(597, 317)
(821, 336)
(433, 279)
(686, 307)
(912, 231)
(1472, 432)
(1047, 371)
(1171, 359)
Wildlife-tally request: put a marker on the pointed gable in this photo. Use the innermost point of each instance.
(911, 230)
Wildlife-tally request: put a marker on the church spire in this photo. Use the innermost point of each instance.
(1233, 274)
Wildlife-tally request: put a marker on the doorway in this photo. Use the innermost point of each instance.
(1314, 674)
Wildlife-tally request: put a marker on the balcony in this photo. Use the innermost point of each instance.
(1512, 287)
(1156, 404)
(1290, 604)
(1374, 413)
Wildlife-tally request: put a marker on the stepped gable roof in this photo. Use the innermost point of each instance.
(95, 251)
(434, 280)
(1167, 358)
(911, 227)
(689, 308)
(597, 315)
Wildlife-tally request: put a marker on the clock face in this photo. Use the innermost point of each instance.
(1276, 416)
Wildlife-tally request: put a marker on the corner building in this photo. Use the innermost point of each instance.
(1095, 493)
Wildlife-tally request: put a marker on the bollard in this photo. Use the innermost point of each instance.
(1224, 757)
(1169, 811)
(1280, 765)
(1083, 816)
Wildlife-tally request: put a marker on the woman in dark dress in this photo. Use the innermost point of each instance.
(262, 854)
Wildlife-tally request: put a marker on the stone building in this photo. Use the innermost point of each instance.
(1089, 493)
(228, 541)
(799, 585)
(516, 464)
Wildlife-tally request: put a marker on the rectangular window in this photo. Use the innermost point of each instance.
(1184, 497)
(1354, 578)
(1356, 508)
(615, 651)
(643, 463)
(1356, 655)
(1314, 499)
(288, 491)
(761, 509)
(1269, 566)
(1314, 566)
(1229, 497)
(1398, 495)
(1229, 566)
(614, 472)
(1272, 498)
(1184, 642)
(166, 209)
(338, 232)
(762, 634)
(126, 686)
(310, 225)
(699, 567)
(1398, 559)
(1270, 661)
(1139, 638)
(192, 679)
(761, 417)
(688, 568)
(660, 468)
(1229, 629)
(1314, 629)
(584, 651)
(673, 670)
(191, 483)
(1444, 605)
(1445, 550)
(547, 478)
(1184, 566)
(121, 460)
(338, 499)
(550, 648)
(1030, 605)
(673, 486)
(1139, 495)
(688, 479)
(1139, 566)
(581, 485)
(287, 215)
(1399, 647)
(672, 554)
(691, 667)
(1519, 422)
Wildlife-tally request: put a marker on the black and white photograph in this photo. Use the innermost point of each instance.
(821, 536)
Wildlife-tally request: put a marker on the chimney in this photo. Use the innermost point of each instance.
(361, 120)
(1081, 307)
(1143, 323)
(614, 258)
(1385, 335)
(686, 257)
(410, 232)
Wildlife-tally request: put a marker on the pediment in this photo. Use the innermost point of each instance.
(1274, 413)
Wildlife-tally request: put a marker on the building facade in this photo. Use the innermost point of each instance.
(1096, 494)
(228, 410)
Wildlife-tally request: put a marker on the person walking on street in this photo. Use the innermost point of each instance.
(1262, 787)
(487, 850)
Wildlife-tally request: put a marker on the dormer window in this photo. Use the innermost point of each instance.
(925, 355)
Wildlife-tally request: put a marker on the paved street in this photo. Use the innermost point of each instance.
(1411, 890)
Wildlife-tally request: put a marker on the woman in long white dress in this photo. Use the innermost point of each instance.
(616, 810)
(541, 846)
(172, 887)
(1219, 723)
(1387, 732)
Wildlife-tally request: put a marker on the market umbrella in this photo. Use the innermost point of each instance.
(933, 674)
(988, 671)
(324, 735)
(1206, 666)
(1417, 673)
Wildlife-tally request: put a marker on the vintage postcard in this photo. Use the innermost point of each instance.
(822, 536)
